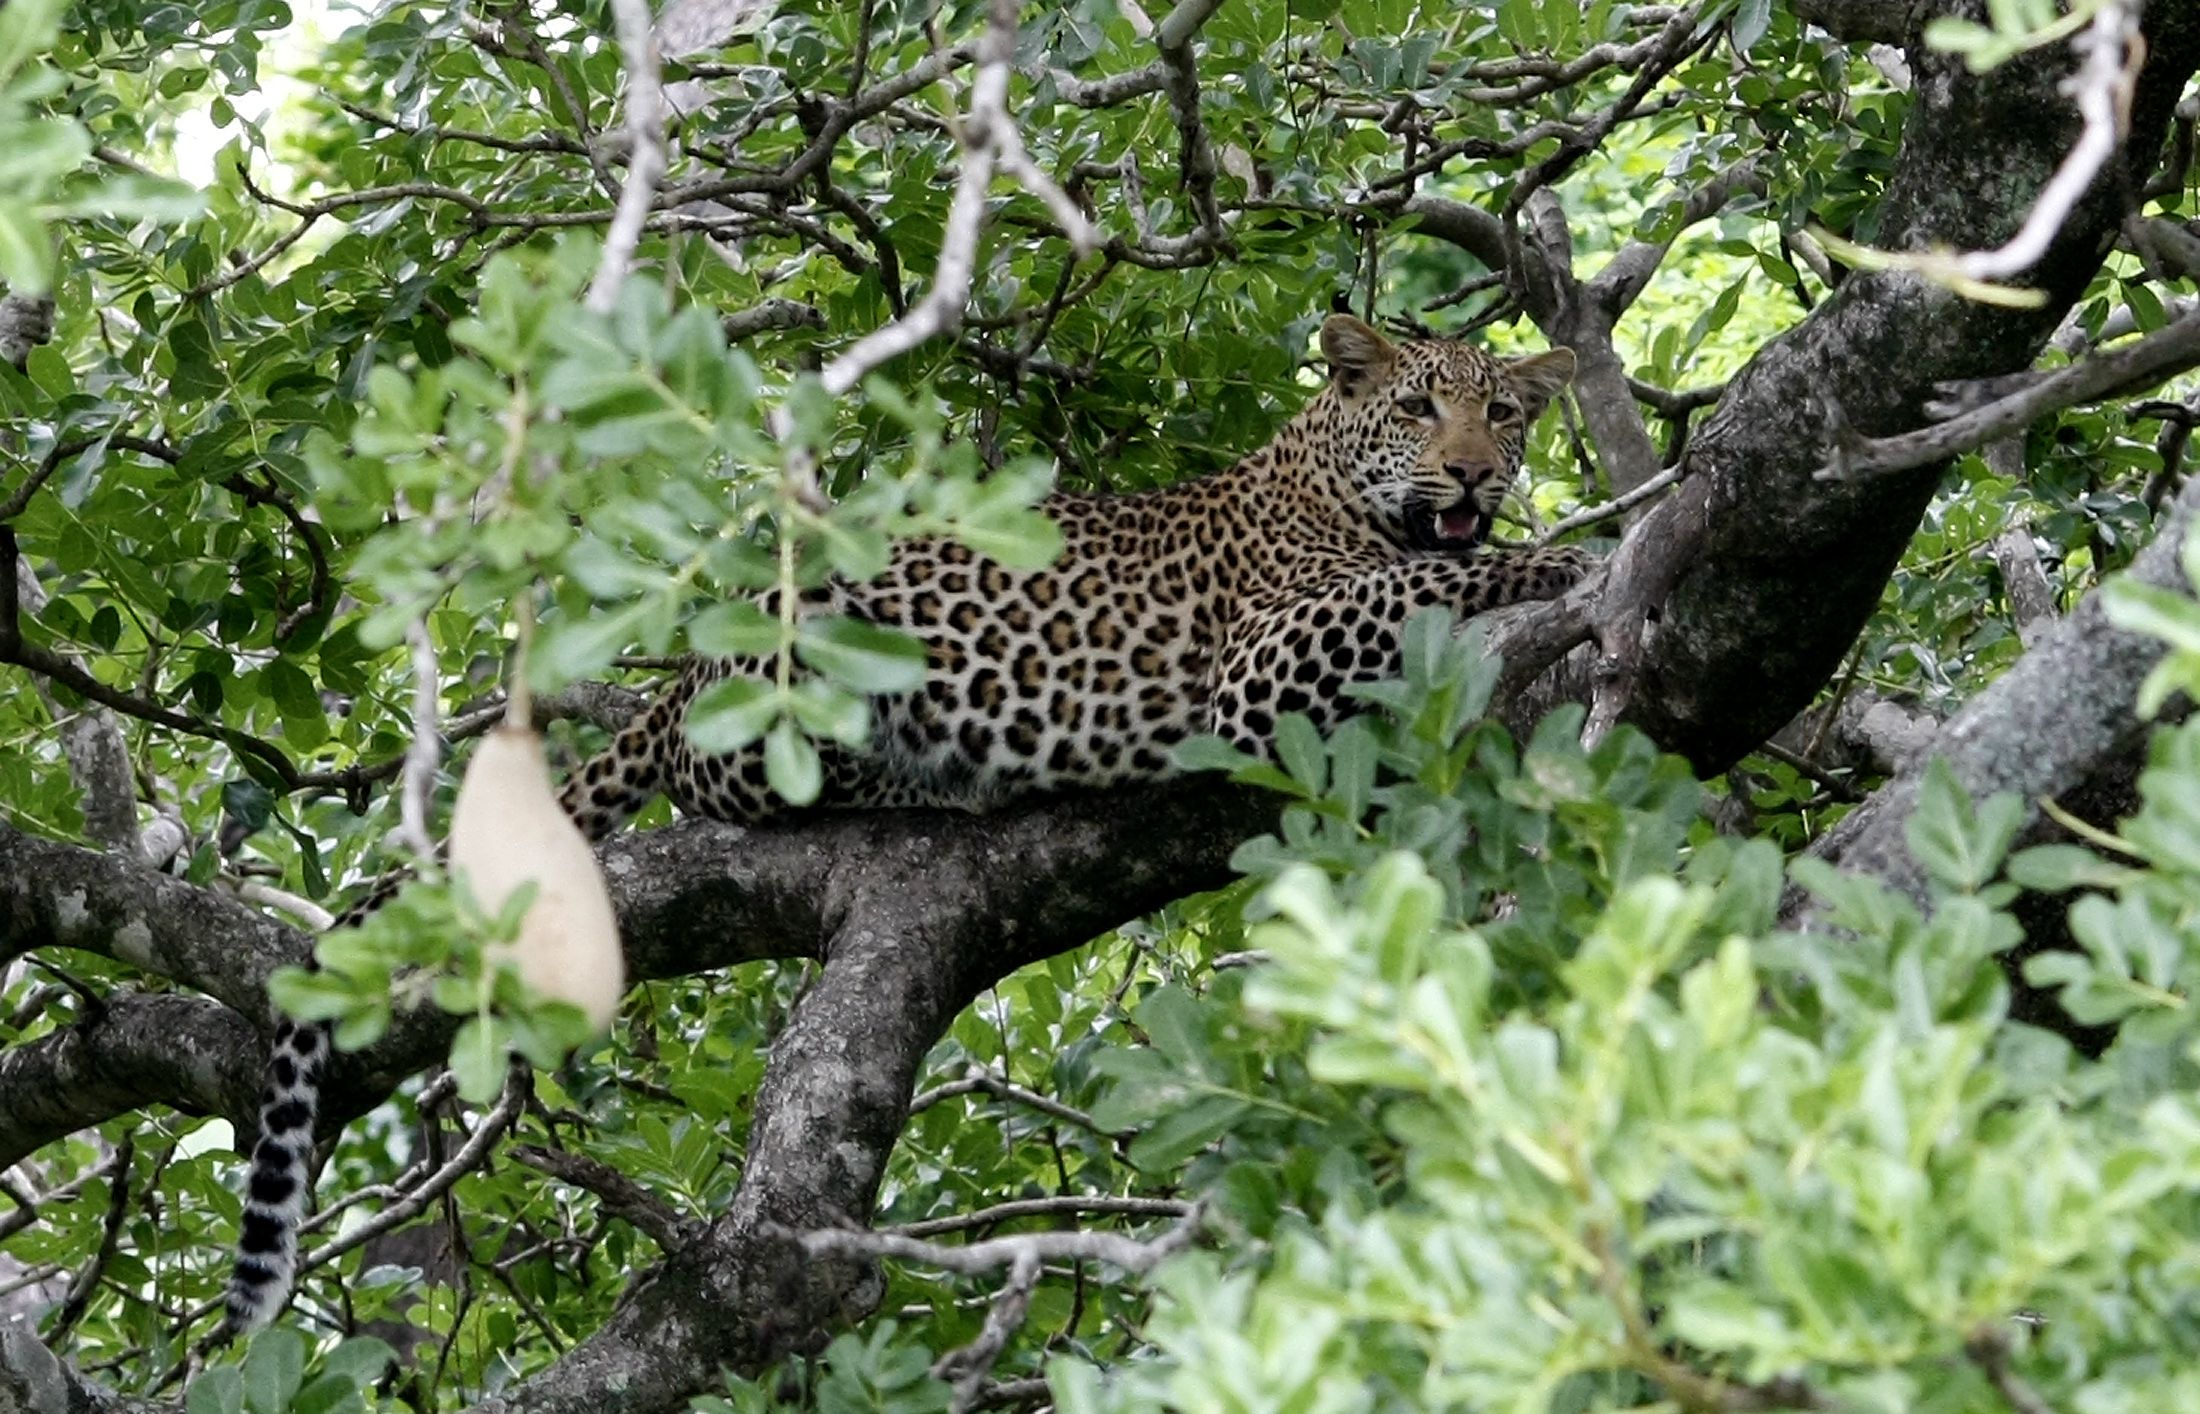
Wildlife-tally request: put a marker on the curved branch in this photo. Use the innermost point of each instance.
(2163, 354)
(2044, 726)
(1789, 569)
(132, 1051)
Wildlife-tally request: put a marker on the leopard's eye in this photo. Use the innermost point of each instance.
(1417, 406)
(1503, 409)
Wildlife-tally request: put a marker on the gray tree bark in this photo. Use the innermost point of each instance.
(911, 915)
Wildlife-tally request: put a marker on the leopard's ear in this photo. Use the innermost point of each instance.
(1357, 352)
(1538, 377)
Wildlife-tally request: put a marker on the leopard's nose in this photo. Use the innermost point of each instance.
(1470, 473)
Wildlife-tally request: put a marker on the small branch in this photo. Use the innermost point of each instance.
(424, 752)
(539, 142)
(1989, 1350)
(137, 1049)
(645, 161)
(1839, 789)
(58, 668)
(470, 1156)
(309, 914)
(28, 1203)
(620, 1195)
(1001, 1088)
(940, 310)
(79, 1299)
(1675, 42)
(2103, 86)
(969, 1366)
(2170, 249)
(1196, 162)
(2170, 444)
(2071, 338)
(2163, 354)
(1623, 279)
(1105, 92)
(1067, 1204)
(975, 1258)
(1675, 402)
(771, 314)
(2031, 598)
(1618, 505)
(92, 740)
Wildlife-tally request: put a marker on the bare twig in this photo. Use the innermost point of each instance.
(771, 314)
(79, 1299)
(91, 739)
(2111, 51)
(940, 311)
(1066, 1204)
(1618, 505)
(645, 161)
(537, 142)
(1840, 789)
(2102, 86)
(980, 1079)
(1989, 1350)
(1675, 402)
(308, 913)
(424, 753)
(2166, 352)
(620, 1195)
(969, 1366)
(974, 1258)
(470, 1156)
(1196, 161)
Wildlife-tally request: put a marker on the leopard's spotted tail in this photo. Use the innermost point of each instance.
(599, 798)
(282, 1171)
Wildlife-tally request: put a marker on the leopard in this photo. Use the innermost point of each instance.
(1212, 606)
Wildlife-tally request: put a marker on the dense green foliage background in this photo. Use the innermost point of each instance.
(1531, 1105)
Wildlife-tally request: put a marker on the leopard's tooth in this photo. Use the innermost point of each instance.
(507, 831)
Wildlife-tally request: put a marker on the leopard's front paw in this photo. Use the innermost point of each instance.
(1558, 568)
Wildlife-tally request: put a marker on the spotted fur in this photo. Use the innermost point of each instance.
(1211, 606)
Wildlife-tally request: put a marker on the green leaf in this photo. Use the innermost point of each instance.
(570, 648)
(274, 1367)
(219, 1389)
(1209, 753)
(1175, 1137)
(480, 1059)
(735, 629)
(730, 714)
(26, 251)
(1751, 20)
(1299, 747)
(862, 655)
(791, 764)
(2059, 868)
(1959, 846)
(2138, 607)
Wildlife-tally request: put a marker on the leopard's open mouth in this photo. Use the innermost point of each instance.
(1456, 527)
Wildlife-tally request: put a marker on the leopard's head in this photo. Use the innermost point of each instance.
(1428, 433)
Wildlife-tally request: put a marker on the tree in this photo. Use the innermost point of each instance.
(1474, 1056)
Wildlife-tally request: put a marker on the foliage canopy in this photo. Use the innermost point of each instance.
(1501, 1077)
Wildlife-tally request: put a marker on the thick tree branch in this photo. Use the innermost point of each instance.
(1788, 569)
(2131, 368)
(692, 898)
(132, 1051)
(2045, 726)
